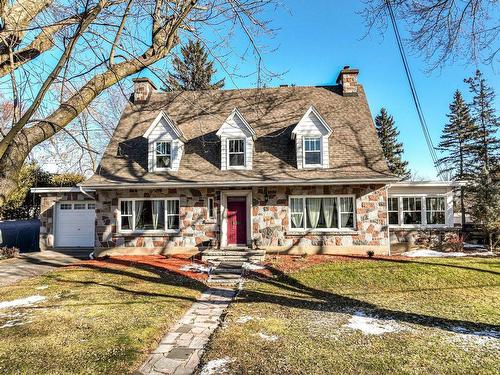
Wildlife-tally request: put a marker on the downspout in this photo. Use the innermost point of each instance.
(85, 193)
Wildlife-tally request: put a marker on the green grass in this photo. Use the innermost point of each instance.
(93, 321)
(427, 301)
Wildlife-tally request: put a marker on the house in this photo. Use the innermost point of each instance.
(287, 169)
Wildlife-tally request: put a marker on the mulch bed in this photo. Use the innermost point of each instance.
(172, 264)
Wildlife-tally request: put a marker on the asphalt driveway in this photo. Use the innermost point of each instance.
(33, 264)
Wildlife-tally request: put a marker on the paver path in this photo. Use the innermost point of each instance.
(34, 264)
(180, 350)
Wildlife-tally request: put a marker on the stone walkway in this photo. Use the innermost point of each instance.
(180, 350)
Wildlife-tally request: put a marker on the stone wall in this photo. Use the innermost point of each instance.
(442, 239)
(47, 213)
(269, 221)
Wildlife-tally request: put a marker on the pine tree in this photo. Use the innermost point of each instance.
(193, 71)
(485, 211)
(393, 150)
(487, 144)
(456, 143)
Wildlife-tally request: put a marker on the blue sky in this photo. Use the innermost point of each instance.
(315, 42)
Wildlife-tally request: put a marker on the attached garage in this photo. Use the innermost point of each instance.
(75, 224)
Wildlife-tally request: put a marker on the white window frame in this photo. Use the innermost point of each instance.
(338, 229)
(211, 217)
(155, 160)
(423, 211)
(164, 230)
(428, 209)
(398, 211)
(320, 151)
(228, 165)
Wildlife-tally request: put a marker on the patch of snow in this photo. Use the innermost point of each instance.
(41, 287)
(267, 337)
(481, 338)
(473, 246)
(22, 302)
(432, 253)
(14, 323)
(215, 366)
(244, 319)
(195, 268)
(252, 266)
(371, 326)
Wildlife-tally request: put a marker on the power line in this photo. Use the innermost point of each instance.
(416, 100)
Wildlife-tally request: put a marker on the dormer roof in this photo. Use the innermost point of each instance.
(169, 122)
(240, 122)
(311, 111)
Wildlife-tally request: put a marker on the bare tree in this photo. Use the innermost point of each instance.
(57, 57)
(444, 30)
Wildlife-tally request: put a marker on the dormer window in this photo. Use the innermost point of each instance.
(236, 152)
(312, 151)
(163, 156)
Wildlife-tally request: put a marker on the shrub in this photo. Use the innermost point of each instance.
(370, 253)
(454, 241)
(8, 252)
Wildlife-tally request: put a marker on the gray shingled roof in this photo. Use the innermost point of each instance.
(355, 151)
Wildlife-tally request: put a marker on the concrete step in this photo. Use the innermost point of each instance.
(220, 271)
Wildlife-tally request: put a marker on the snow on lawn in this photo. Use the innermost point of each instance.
(215, 366)
(267, 337)
(244, 319)
(195, 268)
(432, 253)
(252, 266)
(481, 338)
(371, 326)
(22, 302)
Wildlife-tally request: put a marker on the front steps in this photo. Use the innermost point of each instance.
(229, 263)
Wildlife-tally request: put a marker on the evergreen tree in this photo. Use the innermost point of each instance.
(456, 143)
(485, 138)
(393, 150)
(485, 193)
(193, 71)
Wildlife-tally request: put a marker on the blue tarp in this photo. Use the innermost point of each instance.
(23, 234)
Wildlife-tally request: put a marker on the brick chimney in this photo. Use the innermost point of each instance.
(143, 88)
(348, 78)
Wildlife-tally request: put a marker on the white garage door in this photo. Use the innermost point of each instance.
(75, 224)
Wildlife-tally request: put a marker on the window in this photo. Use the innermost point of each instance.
(435, 207)
(322, 213)
(79, 206)
(66, 206)
(210, 208)
(236, 152)
(163, 155)
(412, 210)
(149, 215)
(91, 206)
(393, 210)
(312, 151)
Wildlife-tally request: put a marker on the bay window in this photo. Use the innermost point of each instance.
(143, 215)
(322, 213)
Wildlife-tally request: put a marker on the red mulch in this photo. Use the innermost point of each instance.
(160, 262)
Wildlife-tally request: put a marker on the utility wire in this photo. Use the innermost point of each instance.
(416, 100)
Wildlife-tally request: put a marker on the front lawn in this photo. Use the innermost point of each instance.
(96, 318)
(361, 316)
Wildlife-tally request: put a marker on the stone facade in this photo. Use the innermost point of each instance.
(269, 221)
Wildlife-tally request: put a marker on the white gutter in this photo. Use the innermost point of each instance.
(152, 185)
(428, 183)
(71, 189)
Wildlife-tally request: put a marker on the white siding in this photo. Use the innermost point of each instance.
(163, 132)
(311, 126)
(234, 128)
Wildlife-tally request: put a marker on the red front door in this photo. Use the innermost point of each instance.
(236, 221)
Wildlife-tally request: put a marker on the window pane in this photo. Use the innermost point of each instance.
(347, 220)
(313, 157)
(413, 217)
(91, 206)
(126, 222)
(210, 208)
(163, 148)
(329, 212)
(173, 207)
(163, 161)
(126, 208)
(297, 213)
(313, 212)
(312, 144)
(393, 204)
(149, 215)
(236, 160)
(66, 206)
(79, 206)
(393, 218)
(346, 204)
(236, 145)
(173, 222)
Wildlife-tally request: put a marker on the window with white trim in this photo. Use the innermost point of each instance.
(79, 206)
(210, 208)
(435, 210)
(312, 151)
(393, 210)
(66, 206)
(143, 215)
(236, 152)
(163, 155)
(322, 213)
(412, 210)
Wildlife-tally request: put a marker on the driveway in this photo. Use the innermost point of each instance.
(34, 264)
